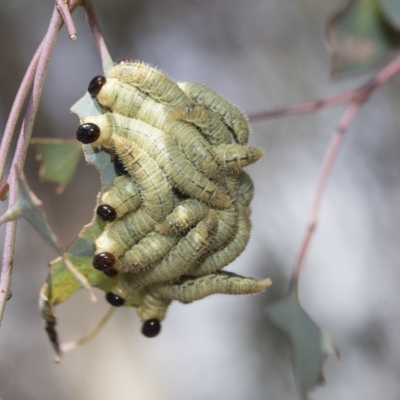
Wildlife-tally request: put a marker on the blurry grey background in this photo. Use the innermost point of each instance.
(260, 54)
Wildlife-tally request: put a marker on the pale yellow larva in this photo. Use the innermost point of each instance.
(246, 189)
(123, 195)
(183, 256)
(229, 114)
(191, 289)
(225, 255)
(163, 150)
(152, 307)
(151, 81)
(186, 214)
(234, 157)
(147, 252)
(210, 125)
(156, 192)
(193, 145)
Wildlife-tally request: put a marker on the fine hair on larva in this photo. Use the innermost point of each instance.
(163, 150)
(151, 81)
(123, 195)
(230, 115)
(190, 289)
(209, 124)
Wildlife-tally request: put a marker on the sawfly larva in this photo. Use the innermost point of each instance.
(123, 196)
(225, 255)
(151, 81)
(246, 189)
(234, 157)
(163, 150)
(191, 289)
(189, 140)
(147, 252)
(210, 125)
(229, 114)
(186, 214)
(181, 258)
(156, 193)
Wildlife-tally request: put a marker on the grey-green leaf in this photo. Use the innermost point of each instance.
(309, 345)
(391, 11)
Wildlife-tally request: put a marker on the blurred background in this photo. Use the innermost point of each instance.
(260, 54)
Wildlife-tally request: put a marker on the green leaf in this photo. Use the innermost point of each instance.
(309, 346)
(59, 159)
(359, 37)
(391, 11)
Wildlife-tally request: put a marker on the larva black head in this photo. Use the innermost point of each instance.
(106, 213)
(96, 84)
(119, 167)
(114, 300)
(151, 328)
(111, 272)
(104, 262)
(88, 133)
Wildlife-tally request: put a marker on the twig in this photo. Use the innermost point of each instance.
(44, 50)
(105, 57)
(63, 9)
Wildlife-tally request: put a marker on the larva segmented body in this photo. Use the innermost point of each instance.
(191, 289)
(151, 81)
(221, 258)
(188, 139)
(152, 307)
(155, 190)
(246, 189)
(123, 195)
(209, 123)
(183, 256)
(186, 214)
(229, 114)
(147, 252)
(162, 149)
(235, 156)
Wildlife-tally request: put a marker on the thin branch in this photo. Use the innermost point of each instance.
(105, 57)
(63, 9)
(329, 160)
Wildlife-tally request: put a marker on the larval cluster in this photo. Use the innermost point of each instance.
(179, 210)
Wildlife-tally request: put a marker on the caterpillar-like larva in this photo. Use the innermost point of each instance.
(191, 289)
(225, 255)
(196, 149)
(229, 114)
(210, 125)
(150, 250)
(181, 258)
(234, 157)
(246, 189)
(151, 81)
(189, 212)
(155, 190)
(123, 195)
(163, 150)
(152, 307)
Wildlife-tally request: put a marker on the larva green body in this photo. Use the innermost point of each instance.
(188, 139)
(150, 250)
(163, 150)
(183, 256)
(151, 81)
(229, 114)
(123, 196)
(155, 190)
(234, 157)
(152, 307)
(186, 214)
(246, 189)
(225, 255)
(210, 125)
(191, 289)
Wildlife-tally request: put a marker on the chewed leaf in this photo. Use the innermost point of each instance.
(309, 345)
(359, 37)
(59, 159)
(30, 207)
(391, 11)
(86, 106)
